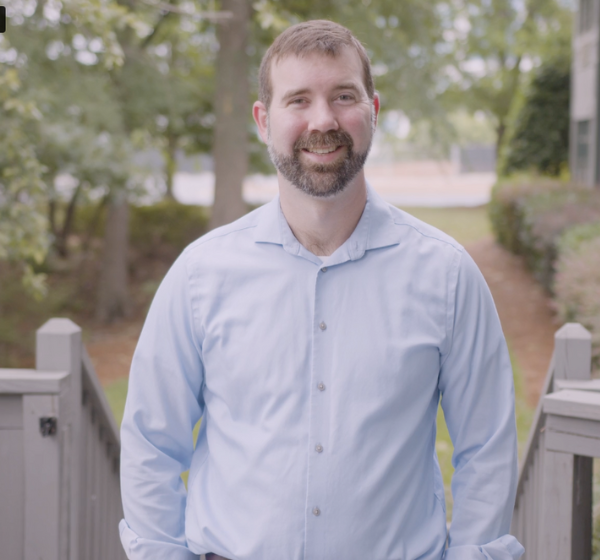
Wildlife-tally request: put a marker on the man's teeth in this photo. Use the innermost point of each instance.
(323, 150)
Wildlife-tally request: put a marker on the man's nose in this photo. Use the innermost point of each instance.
(322, 117)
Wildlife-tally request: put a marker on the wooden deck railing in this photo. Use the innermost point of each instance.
(553, 510)
(59, 456)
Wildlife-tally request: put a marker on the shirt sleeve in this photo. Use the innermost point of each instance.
(477, 390)
(163, 405)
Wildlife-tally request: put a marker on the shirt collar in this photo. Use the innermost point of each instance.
(374, 230)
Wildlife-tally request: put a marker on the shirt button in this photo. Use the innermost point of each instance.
(321, 386)
(322, 326)
(319, 448)
(324, 269)
(316, 512)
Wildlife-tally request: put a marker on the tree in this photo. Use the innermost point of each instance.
(541, 136)
(232, 107)
(23, 225)
(97, 71)
(495, 42)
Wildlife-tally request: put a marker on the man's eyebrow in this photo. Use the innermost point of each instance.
(347, 86)
(302, 91)
(294, 92)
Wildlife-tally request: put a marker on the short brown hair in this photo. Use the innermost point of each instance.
(316, 36)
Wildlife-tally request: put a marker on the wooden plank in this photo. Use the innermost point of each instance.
(573, 352)
(12, 493)
(99, 398)
(84, 476)
(58, 348)
(541, 462)
(537, 425)
(557, 509)
(577, 426)
(29, 381)
(11, 412)
(591, 385)
(65, 490)
(581, 527)
(570, 443)
(41, 480)
(577, 404)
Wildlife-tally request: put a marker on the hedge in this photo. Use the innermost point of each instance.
(164, 227)
(556, 228)
(529, 218)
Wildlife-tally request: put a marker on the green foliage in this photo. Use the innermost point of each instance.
(572, 239)
(577, 287)
(528, 218)
(493, 42)
(541, 137)
(23, 224)
(160, 230)
(556, 227)
(167, 223)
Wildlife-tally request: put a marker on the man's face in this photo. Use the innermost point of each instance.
(320, 124)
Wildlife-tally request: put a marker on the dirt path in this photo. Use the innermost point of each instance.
(524, 310)
(522, 304)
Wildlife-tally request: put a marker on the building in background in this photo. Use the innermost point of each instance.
(585, 99)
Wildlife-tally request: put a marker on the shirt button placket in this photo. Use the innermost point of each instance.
(318, 460)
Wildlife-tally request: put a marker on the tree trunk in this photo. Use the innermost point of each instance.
(62, 237)
(500, 131)
(231, 106)
(113, 300)
(170, 154)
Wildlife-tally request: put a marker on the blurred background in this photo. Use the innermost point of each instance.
(126, 133)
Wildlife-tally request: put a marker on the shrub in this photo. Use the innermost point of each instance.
(167, 226)
(577, 283)
(160, 230)
(541, 137)
(528, 218)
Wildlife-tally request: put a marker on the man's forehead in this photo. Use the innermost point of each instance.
(345, 65)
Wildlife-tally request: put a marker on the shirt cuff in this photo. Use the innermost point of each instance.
(138, 548)
(504, 548)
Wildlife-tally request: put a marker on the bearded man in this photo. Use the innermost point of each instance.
(315, 337)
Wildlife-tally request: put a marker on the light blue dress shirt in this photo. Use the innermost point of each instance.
(318, 384)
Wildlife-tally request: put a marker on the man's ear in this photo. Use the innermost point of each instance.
(376, 106)
(260, 114)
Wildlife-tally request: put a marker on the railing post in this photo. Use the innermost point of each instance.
(51, 461)
(573, 353)
(566, 530)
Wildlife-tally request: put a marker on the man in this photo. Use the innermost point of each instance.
(314, 337)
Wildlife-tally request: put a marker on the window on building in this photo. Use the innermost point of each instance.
(582, 152)
(586, 18)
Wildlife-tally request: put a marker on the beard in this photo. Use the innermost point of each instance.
(321, 180)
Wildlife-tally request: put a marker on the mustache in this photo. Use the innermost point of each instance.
(323, 140)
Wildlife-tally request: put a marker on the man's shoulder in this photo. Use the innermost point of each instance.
(233, 232)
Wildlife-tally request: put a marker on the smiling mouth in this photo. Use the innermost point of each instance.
(326, 150)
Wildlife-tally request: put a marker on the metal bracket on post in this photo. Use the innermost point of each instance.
(48, 425)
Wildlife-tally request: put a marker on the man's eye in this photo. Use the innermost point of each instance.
(297, 101)
(346, 97)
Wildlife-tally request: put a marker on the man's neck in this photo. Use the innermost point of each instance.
(323, 225)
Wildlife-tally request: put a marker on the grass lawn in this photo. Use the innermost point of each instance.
(466, 225)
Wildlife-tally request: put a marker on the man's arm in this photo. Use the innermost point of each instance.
(163, 404)
(478, 402)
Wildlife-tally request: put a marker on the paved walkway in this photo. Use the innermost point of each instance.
(421, 183)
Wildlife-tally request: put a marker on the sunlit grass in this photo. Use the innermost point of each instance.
(464, 224)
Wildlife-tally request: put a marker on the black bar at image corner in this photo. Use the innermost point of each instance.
(2, 19)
